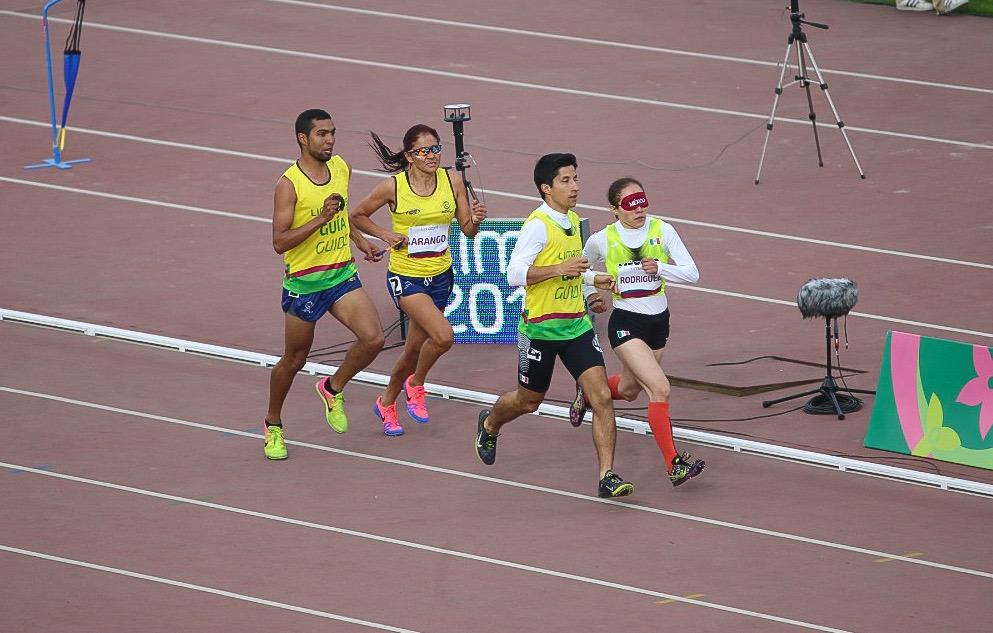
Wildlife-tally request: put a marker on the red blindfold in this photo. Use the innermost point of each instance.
(635, 200)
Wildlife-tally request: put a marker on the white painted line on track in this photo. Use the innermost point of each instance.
(164, 143)
(737, 229)
(726, 293)
(145, 201)
(201, 588)
(503, 194)
(614, 44)
(864, 315)
(467, 475)
(501, 82)
(436, 550)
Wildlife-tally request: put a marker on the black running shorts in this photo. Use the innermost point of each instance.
(536, 359)
(651, 328)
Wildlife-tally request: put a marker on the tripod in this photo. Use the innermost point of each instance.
(798, 41)
(828, 391)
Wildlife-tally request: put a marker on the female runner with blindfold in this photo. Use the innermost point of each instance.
(423, 197)
(637, 250)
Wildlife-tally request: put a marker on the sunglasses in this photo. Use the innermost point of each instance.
(633, 201)
(424, 151)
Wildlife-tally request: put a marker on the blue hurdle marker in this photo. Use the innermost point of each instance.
(56, 160)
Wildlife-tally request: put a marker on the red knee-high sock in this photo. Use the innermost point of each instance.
(613, 381)
(658, 420)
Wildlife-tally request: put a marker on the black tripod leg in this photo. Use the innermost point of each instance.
(768, 403)
(810, 101)
(868, 391)
(834, 401)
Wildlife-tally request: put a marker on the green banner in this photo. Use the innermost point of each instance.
(934, 399)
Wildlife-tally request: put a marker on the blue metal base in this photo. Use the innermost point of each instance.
(58, 164)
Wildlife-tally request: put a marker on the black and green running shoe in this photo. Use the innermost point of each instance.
(684, 468)
(612, 485)
(485, 443)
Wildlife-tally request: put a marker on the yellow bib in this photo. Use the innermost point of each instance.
(324, 259)
(554, 309)
(426, 221)
(624, 264)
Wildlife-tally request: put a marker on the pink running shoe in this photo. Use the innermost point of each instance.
(389, 417)
(415, 402)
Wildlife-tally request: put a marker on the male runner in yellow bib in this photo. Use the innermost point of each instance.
(423, 198)
(548, 261)
(310, 229)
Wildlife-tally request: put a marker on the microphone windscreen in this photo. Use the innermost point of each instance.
(827, 297)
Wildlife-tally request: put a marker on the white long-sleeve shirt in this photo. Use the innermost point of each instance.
(530, 242)
(683, 270)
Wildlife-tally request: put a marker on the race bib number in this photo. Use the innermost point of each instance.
(430, 240)
(633, 281)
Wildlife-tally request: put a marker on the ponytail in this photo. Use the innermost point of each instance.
(394, 162)
(391, 161)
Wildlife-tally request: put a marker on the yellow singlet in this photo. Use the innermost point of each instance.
(624, 264)
(426, 221)
(324, 259)
(554, 309)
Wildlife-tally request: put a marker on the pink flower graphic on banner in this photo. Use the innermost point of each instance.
(979, 390)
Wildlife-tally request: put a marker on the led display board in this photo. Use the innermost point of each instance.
(483, 308)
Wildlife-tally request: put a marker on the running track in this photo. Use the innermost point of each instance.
(136, 497)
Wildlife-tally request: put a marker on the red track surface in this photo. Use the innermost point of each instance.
(214, 279)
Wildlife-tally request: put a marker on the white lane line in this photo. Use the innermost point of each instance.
(864, 315)
(726, 293)
(500, 82)
(145, 201)
(493, 480)
(439, 550)
(504, 194)
(203, 589)
(738, 229)
(614, 44)
(164, 143)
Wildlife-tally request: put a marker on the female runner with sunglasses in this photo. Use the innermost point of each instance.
(423, 198)
(637, 250)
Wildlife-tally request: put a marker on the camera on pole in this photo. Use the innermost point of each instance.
(457, 114)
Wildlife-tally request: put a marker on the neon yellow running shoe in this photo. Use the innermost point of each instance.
(334, 407)
(274, 447)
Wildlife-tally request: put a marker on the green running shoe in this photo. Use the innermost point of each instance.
(334, 407)
(613, 485)
(274, 447)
